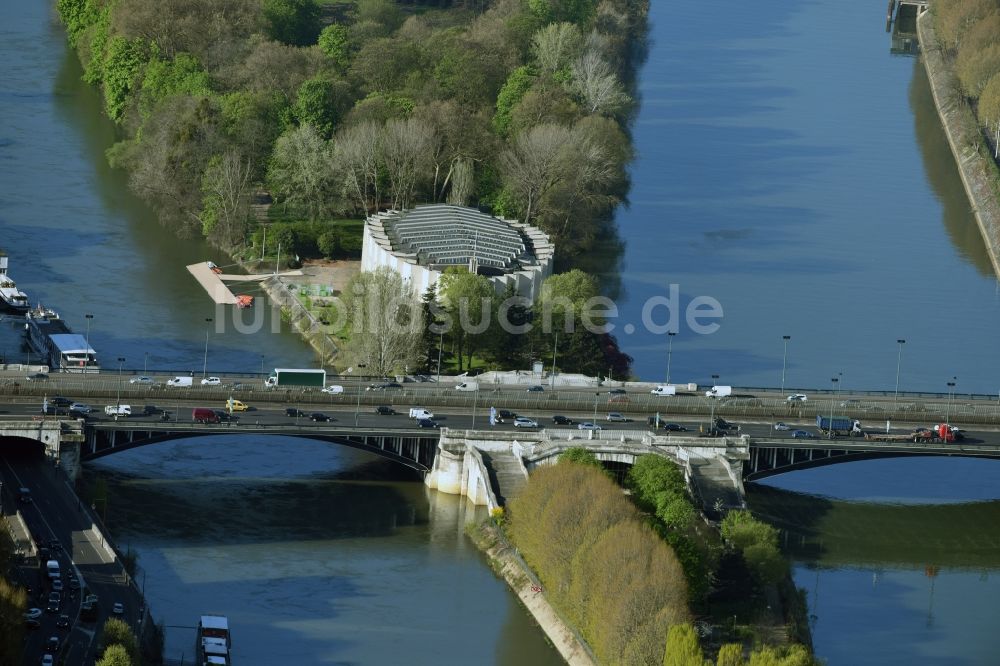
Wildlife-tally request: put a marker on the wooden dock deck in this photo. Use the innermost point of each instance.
(215, 283)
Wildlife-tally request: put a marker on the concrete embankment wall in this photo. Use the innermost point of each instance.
(961, 128)
(303, 320)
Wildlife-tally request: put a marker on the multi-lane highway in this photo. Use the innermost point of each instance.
(60, 527)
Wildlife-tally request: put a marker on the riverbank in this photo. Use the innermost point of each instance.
(505, 561)
(976, 168)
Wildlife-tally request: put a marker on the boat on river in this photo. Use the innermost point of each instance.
(12, 297)
(60, 348)
(214, 641)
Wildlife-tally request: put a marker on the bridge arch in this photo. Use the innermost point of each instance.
(765, 462)
(414, 450)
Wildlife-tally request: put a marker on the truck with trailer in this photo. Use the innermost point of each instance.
(839, 425)
(298, 377)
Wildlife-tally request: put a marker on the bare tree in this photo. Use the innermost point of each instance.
(227, 184)
(532, 166)
(406, 152)
(356, 150)
(462, 183)
(555, 46)
(387, 321)
(597, 84)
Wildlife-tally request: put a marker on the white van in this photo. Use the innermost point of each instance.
(179, 381)
(52, 567)
(719, 392)
(118, 410)
(468, 386)
(664, 390)
(420, 413)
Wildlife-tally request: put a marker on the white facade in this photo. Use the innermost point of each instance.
(382, 247)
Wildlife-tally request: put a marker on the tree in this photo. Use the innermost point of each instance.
(955, 18)
(555, 46)
(988, 109)
(571, 11)
(579, 456)
(356, 151)
(730, 654)
(115, 655)
(335, 44)
(532, 165)
(470, 300)
(227, 187)
(116, 632)
(406, 147)
(386, 321)
(123, 63)
(975, 68)
(293, 22)
(431, 341)
(682, 647)
(518, 83)
(462, 182)
(597, 84)
(321, 103)
(302, 172)
(162, 78)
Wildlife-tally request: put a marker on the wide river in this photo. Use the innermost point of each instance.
(789, 168)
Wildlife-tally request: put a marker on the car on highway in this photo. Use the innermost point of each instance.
(63, 621)
(504, 415)
(80, 408)
(559, 419)
(782, 426)
(525, 422)
(617, 417)
(74, 583)
(536, 389)
(118, 608)
(320, 417)
(53, 410)
(60, 401)
(587, 425)
(294, 411)
(427, 423)
(334, 389)
(24, 495)
(673, 427)
(142, 380)
(55, 600)
(802, 434)
(234, 405)
(797, 397)
(33, 614)
(385, 410)
(211, 381)
(37, 377)
(617, 391)
(387, 386)
(48, 660)
(225, 417)
(57, 585)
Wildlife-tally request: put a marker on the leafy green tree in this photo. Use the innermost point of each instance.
(730, 654)
(334, 42)
(682, 647)
(386, 321)
(254, 121)
(571, 11)
(321, 103)
(294, 22)
(518, 83)
(163, 78)
(975, 68)
(382, 12)
(580, 456)
(115, 655)
(469, 299)
(741, 529)
(432, 339)
(651, 476)
(302, 172)
(227, 186)
(555, 46)
(765, 562)
(117, 632)
(122, 65)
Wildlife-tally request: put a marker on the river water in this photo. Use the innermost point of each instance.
(789, 167)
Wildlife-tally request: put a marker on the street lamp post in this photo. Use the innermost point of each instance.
(670, 350)
(88, 317)
(440, 349)
(594, 422)
(261, 365)
(899, 359)
(833, 399)
(711, 417)
(784, 359)
(951, 392)
(121, 364)
(145, 362)
(555, 347)
(204, 367)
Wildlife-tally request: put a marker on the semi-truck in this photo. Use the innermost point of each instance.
(840, 426)
(281, 377)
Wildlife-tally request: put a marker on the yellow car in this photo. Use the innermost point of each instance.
(236, 405)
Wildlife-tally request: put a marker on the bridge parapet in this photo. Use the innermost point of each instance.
(60, 437)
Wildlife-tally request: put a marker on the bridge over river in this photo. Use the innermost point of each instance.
(488, 465)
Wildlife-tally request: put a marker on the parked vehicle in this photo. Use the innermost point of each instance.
(839, 426)
(204, 415)
(616, 417)
(719, 392)
(310, 377)
(468, 386)
(420, 413)
(183, 382)
(385, 410)
(561, 420)
(211, 381)
(664, 390)
(118, 410)
(525, 422)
